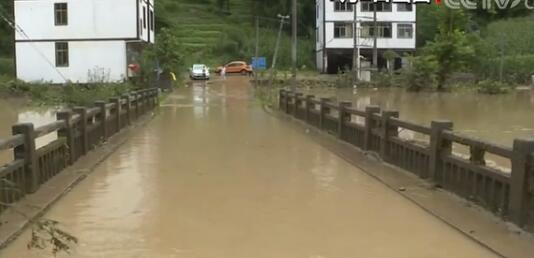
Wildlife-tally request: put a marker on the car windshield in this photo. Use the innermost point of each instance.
(198, 67)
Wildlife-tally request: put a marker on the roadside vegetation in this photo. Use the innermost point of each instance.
(486, 51)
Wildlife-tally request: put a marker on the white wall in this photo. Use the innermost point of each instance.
(388, 43)
(87, 19)
(145, 33)
(331, 15)
(107, 56)
(393, 42)
(319, 37)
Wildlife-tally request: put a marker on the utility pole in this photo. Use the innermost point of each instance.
(375, 35)
(256, 53)
(501, 64)
(282, 20)
(356, 50)
(294, 47)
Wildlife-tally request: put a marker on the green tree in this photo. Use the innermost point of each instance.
(451, 48)
(167, 52)
(166, 56)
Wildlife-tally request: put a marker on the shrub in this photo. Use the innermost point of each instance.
(422, 73)
(516, 69)
(492, 87)
(7, 66)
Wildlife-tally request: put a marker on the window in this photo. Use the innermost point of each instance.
(342, 30)
(144, 17)
(404, 31)
(384, 30)
(367, 6)
(61, 14)
(342, 7)
(152, 22)
(62, 54)
(404, 7)
(141, 27)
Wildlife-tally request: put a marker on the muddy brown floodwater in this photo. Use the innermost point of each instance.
(495, 118)
(214, 175)
(14, 111)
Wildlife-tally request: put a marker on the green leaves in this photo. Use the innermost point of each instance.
(167, 51)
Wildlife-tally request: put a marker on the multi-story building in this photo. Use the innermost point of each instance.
(80, 41)
(334, 29)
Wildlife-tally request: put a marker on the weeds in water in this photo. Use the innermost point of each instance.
(46, 234)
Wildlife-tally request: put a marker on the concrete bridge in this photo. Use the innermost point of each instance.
(215, 174)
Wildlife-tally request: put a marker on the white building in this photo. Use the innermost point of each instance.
(334, 30)
(80, 40)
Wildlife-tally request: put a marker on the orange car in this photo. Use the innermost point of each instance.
(236, 67)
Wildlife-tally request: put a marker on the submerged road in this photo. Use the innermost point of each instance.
(214, 175)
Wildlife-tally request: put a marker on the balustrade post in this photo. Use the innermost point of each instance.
(152, 99)
(323, 111)
(387, 131)
(27, 153)
(102, 117)
(82, 111)
(477, 155)
(146, 104)
(126, 97)
(369, 125)
(521, 181)
(438, 148)
(309, 105)
(344, 117)
(142, 104)
(298, 103)
(282, 99)
(149, 99)
(156, 97)
(136, 106)
(118, 110)
(68, 133)
(289, 99)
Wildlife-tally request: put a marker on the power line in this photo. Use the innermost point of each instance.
(18, 29)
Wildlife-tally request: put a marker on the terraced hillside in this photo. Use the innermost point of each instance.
(212, 36)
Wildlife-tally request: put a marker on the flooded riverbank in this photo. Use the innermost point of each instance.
(495, 118)
(214, 175)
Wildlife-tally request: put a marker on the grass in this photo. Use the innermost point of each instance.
(213, 38)
(43, 94)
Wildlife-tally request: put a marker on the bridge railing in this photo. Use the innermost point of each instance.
(76, 132)
(505, 191)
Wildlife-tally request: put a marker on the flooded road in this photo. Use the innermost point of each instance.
(495, 118)
(214, 175)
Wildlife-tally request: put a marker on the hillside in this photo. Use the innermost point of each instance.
(214, 36)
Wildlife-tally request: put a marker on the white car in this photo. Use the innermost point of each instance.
(199, 72)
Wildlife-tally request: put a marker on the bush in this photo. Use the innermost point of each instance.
(70, 95)
(492, 87)
(422, 73)
(516, 69)
(7, 66)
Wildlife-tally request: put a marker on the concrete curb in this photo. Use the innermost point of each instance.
(36, 205)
